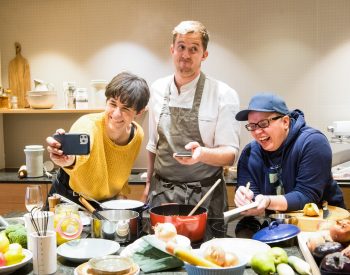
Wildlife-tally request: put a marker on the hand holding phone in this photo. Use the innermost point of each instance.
(186, 154)
(74, 144)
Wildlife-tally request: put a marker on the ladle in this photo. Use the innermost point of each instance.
(204, 197)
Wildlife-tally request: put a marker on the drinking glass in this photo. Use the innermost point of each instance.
(33, 197)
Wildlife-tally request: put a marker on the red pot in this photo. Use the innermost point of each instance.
(192, 227)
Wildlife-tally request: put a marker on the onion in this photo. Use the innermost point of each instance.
(230, 259)
(215, 254)
(165, 231)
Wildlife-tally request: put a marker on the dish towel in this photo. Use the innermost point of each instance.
(151, 259)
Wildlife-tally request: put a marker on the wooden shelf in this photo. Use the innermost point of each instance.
(48, 111)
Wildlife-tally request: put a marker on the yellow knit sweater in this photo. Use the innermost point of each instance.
(105, 171)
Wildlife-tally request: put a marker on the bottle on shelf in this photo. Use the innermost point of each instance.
(81, 99)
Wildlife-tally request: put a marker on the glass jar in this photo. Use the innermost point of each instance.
(82, 99)
(67, 222)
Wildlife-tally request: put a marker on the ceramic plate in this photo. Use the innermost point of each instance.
(83, 269)
(11, 268)
(84, 249)
(246, 247)
(141, 243)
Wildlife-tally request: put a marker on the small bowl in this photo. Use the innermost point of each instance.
(284, 219)
(41, 99)
(113, 265)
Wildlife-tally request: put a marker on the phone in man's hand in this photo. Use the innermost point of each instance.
(74, 144)
(186, 154)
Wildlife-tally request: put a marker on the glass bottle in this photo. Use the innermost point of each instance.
(69, 89)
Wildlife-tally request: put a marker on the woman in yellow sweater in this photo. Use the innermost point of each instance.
(115, 140)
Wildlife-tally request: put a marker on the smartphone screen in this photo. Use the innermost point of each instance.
(186, 154)
(74, 144)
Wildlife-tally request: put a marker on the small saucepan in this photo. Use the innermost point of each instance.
(193, 226)
(284, 218)
(133, 205)
(121, 226)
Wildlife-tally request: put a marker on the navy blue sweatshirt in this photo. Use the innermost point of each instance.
(304, 163)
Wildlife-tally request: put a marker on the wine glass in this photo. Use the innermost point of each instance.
(33, 197)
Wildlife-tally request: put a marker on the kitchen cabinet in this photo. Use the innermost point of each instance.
(12, 196)
(346, 194)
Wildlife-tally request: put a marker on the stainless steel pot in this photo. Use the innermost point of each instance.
(121, 226)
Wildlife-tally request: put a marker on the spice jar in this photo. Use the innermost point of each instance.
(67, 222)
(4, 99)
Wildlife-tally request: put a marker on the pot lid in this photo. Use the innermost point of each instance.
(122, 204)
(276, 232)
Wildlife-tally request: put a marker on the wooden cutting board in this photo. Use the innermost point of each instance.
(310, 224)
(19, 77)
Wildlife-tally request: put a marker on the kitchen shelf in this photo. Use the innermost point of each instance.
(49, 111)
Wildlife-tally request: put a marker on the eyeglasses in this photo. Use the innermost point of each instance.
(262, 123)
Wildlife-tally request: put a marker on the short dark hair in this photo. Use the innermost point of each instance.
(131, 90)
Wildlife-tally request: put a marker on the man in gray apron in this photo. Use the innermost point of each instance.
(193, 112)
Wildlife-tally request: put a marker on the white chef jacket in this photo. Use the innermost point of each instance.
(219, 105)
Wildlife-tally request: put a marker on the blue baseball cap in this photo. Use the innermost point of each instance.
(268, 103)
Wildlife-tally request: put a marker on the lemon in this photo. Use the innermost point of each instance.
(14, 254)
(311, 209)
(4, 243)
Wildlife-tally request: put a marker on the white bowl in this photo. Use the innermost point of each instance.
(232, 270)
(41, 99)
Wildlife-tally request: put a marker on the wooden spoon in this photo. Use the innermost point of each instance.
(204, 197)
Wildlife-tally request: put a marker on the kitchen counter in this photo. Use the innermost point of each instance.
(66, 267)
(138, 176)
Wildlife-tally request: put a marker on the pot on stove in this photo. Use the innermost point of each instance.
(193, 226)
(121, 226)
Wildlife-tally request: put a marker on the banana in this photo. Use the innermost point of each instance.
(189, 257)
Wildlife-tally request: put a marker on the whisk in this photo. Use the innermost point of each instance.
(39, 224)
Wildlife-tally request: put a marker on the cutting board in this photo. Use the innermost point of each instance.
(19, 77)
(310, 224)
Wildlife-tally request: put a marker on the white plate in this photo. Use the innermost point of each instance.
(241, 246)
(84, 269)
(122, 204)
(82, 250)
(11, 268)
(141, 243)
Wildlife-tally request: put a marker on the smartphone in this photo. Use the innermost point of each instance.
(186, 154)
(74, 144)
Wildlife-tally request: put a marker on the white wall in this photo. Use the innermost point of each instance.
(299, 49)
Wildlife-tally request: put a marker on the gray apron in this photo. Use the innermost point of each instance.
(173, 182)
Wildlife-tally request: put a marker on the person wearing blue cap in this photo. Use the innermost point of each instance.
(288, 164)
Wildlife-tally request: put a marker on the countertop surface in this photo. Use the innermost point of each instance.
(66, 267)
(9, 175)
